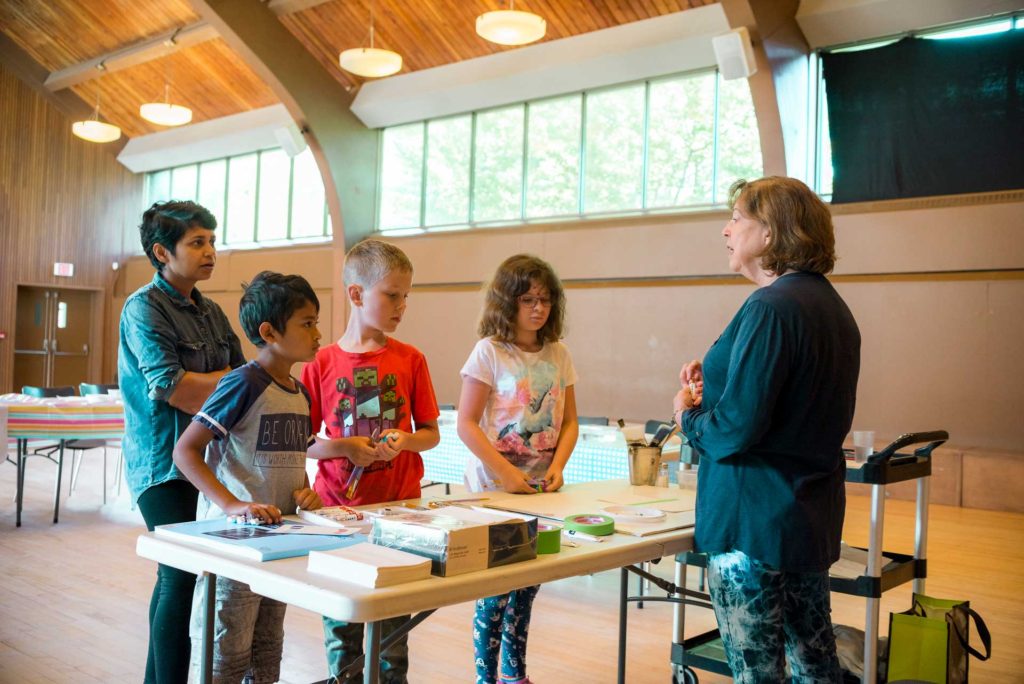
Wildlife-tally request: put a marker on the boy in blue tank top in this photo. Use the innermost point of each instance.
(257, 427)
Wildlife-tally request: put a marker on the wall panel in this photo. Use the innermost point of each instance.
(61, 199)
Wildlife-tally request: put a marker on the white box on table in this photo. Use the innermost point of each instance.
(459, 540)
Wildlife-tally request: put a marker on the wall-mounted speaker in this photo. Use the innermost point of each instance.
(735, 54)
(290, 139)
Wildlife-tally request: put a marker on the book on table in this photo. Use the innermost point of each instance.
(370, 565)
(288, 539)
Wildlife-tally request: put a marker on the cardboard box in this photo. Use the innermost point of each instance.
(459, 540)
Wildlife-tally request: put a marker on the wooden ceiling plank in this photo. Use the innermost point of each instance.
(132, 55)
(32, 74)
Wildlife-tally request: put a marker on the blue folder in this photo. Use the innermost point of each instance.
(255, 542)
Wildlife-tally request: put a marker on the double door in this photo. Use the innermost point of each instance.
(52, 338)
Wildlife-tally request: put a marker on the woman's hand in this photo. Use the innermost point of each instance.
(307, 499)
(691, 372)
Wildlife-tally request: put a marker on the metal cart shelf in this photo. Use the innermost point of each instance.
(888, 466)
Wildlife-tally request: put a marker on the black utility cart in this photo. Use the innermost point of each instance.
(888, 466)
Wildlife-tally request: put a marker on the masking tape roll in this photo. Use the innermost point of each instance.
(591, 523)
(549, 539)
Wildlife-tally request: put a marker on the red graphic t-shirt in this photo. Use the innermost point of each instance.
(354, 395)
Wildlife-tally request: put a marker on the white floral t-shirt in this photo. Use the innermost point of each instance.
(523, 415)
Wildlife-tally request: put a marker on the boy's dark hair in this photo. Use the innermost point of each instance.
(273, 298)
(515, 277)
(165, 223)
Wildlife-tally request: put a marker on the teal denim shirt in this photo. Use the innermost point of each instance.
(163, 335)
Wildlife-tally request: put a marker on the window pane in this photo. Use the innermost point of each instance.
(159, 189)
(211, 187)
(241, 210)
(307, 197)
(615, 149)
(183, 182)
(680, 147)
(448, 142)
(275, 170)
(401, 176)
(739, 145)
(553, 158)
(498, 176)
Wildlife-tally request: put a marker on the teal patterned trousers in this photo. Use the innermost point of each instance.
(768, 617)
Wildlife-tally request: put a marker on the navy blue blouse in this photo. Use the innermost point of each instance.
(780, 389)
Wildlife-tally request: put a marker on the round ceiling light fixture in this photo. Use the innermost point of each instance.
(511, 27)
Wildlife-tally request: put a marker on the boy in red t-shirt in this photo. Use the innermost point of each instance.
(369, 390)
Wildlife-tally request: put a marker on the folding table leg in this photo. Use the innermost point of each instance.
(209, 604)
(623, 612)
(56, 489)
(19, 496)
(371, 667)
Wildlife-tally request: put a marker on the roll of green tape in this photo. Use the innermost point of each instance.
(549, 539)
(591, 523)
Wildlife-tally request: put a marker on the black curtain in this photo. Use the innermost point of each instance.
(927, 117)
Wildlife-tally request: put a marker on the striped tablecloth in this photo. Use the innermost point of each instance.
(60, 418)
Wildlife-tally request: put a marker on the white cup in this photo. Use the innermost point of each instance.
(688, 478)
(863, 445)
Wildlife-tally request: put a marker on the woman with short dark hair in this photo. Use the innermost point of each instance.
(768, 410)
(175, 345)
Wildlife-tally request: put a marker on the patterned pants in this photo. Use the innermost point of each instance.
(767, 616)
(501, 624)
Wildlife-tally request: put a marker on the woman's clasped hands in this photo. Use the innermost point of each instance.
(691, 377)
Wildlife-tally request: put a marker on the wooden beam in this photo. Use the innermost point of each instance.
(280, 7)
(131, 55)
(153, 48)
(344, 149)
(33, 75)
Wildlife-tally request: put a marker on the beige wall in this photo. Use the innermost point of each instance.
(938, 293)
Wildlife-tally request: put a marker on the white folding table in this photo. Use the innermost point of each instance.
(287, 580)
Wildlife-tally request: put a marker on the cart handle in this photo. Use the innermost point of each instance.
(934, 439)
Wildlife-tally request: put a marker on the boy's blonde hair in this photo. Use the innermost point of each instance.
(370, 260)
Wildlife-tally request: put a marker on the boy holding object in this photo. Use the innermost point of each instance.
(256, 424)
(374, 396)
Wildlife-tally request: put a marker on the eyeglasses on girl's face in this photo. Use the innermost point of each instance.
(530, 301)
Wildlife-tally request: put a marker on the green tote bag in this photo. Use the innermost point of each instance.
(929, 642)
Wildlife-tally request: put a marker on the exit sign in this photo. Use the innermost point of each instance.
(62, 269)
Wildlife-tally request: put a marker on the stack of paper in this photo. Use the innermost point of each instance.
(370, 565)
(852, 563)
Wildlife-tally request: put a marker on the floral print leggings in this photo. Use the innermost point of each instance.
(767, 616)
(501, 623)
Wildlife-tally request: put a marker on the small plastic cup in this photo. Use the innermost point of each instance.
(688, 479)
(863, 445)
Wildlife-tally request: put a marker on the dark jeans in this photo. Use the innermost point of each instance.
(171, 605)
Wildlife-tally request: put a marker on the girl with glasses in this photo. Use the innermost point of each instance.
(517, 414)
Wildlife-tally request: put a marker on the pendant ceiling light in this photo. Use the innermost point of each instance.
(370, 62)
(94, 130)
(509, 27)
(164, 113)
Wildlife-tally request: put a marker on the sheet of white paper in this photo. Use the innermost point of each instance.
(299, 528)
